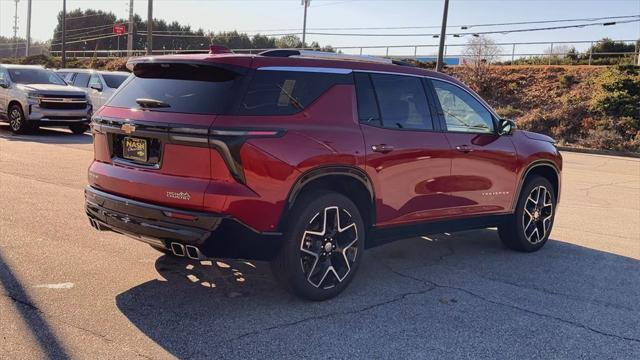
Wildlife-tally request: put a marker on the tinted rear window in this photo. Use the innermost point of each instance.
(82, 80)
(402, 101)
(287, 92)
(114, 80)
(186, 88)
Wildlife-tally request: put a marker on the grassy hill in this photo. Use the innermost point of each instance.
(584, 106)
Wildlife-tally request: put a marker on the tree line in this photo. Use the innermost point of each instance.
(89, 30)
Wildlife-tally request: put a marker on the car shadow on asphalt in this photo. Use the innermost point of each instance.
(201, 308)
(47, 136)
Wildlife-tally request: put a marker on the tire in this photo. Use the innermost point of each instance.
(17, 121)
(320, 256)
(529, 227)
(79, 129)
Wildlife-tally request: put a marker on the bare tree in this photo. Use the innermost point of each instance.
(479, 53)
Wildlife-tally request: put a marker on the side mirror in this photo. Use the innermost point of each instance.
(4, 83)
(506, 127)
(96, 87)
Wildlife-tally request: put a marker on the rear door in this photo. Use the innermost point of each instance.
(483, 175)
(406, 153)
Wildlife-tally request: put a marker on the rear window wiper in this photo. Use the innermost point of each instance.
(152, 103)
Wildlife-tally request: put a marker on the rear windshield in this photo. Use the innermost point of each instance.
(114, 80)
(184, 88)
(35, 76)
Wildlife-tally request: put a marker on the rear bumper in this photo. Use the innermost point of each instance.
(215, 235)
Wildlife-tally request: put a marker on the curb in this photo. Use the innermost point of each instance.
(599, 152)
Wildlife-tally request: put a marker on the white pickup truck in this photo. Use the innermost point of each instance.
(32, 96)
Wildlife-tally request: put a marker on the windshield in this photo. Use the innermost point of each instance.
(35, 76)
(114, 80)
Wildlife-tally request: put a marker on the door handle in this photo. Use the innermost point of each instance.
(464, 148)
(382, 148)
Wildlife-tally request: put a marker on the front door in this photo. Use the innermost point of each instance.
(407, 156)
(483, 175)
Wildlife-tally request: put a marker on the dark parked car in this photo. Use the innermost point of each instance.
(306, 158)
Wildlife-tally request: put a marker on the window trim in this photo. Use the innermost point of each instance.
(443, 121)
(378, 121)
(427, 77)
(435, 120)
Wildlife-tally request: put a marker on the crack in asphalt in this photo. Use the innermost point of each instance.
(34, 308)
(515, 307)
(337, 313)
(568, 296)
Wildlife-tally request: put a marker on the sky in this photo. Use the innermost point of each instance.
(224, 15)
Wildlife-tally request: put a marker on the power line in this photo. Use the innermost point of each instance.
(450, 26)
(92, 27)
(474, 33)
(85, 40)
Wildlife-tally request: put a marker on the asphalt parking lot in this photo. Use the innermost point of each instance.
(69, 291)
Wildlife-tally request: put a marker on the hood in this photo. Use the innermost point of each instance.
(536, 136)
(51, 89)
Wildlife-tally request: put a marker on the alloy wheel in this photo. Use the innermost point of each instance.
(15, 119)
(328, 247)
(537, 215)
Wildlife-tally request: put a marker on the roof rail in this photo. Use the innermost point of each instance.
(313, 54)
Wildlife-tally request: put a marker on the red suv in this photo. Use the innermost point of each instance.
(306, 159)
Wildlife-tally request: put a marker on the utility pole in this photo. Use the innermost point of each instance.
(304, 24)
(443, 33)
(150, 28)
(64, 30)
(15, 29)
(26, 53)
(130, 27)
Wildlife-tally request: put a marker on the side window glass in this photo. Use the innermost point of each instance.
(81, 80)
(286, 92)
(367, 104)
(95, 82)
(462, 112)
(403, 102)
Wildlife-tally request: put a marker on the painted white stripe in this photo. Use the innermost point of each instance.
(67, 285)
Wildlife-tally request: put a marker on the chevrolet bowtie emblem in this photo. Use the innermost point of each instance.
(128, 128)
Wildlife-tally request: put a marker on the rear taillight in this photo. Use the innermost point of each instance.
(226, 141)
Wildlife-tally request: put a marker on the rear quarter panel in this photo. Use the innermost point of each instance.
(325, 133)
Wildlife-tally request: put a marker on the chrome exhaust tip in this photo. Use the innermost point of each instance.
(193, 252)
(177, 249)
